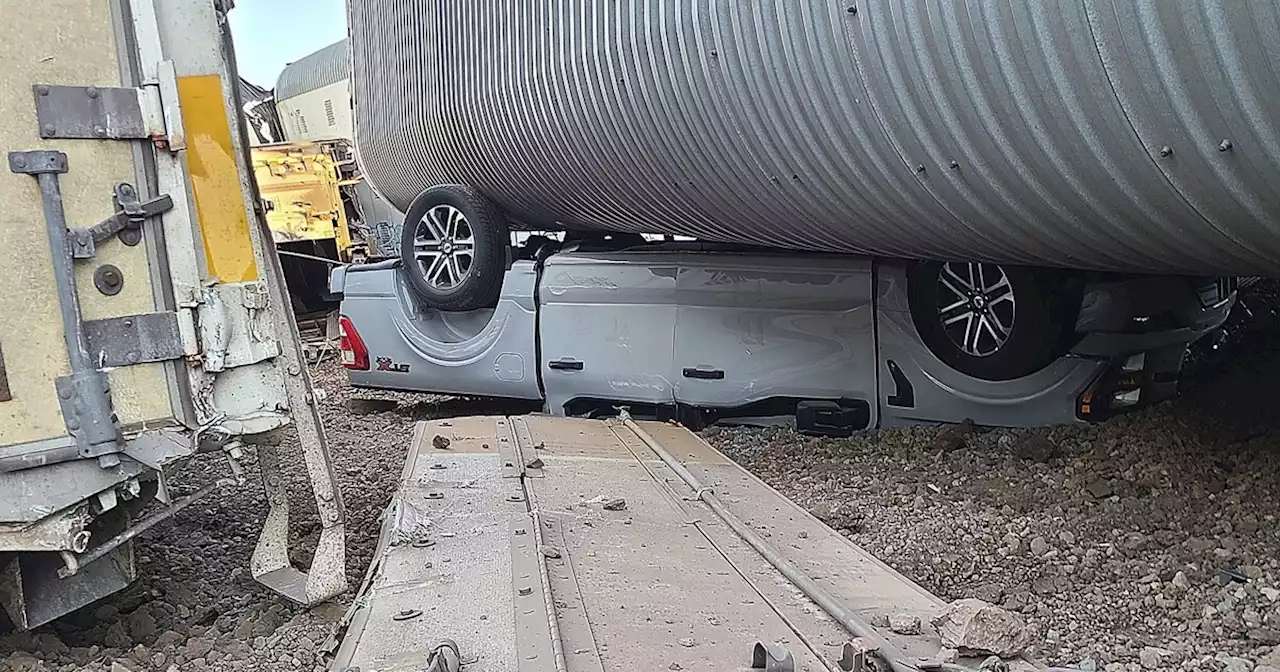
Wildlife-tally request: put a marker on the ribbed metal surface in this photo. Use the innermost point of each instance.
(322, 68)
(1081, 133)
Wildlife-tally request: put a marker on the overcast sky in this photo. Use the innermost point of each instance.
(272, 33)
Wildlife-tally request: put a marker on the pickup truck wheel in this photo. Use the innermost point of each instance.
(454, 248)
(989, 321)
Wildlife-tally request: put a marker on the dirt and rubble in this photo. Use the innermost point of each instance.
(1149, 542)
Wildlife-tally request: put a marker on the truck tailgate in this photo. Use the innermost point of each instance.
(539, 543)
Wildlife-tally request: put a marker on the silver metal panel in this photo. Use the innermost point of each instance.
(446, 556)
(607, 328)
(805, 125)
(643, 586)
(858, 579)
(134, 339)
(313, 71)
(774, 326)
(1201, 77)
(31, 494)
(90, 112)
(488, 352)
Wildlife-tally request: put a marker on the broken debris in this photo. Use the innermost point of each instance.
(359, 406)
(977, 628)
(994, 664)
(615, 504)
(1100, 489)
(1156, 658)
(905, 624)
(954, 437)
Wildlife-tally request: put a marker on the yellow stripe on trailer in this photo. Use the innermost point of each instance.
(215, 180)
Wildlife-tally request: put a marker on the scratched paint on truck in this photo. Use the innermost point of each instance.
(66, 42)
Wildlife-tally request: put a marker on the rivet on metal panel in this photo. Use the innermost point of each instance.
(515, 498)
(715, 54)
(100, 131)
(525, 591)
(42, 90)
(853, 9)
(92, 92)
(437, 465)
(920, 168)
(521, 531)
(1225, 146)
(955, 165)
(49, 129)
(423, 543)
(1166, 151)
(407, 614)
(435, 495)
(19, 162)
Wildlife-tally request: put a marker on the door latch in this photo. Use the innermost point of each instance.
(126, 222)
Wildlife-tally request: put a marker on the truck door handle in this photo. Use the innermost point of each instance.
(703, 374)
(566, 365)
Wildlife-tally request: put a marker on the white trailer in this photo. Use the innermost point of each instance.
(144, 318)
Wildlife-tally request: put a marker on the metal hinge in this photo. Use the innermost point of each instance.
(150, 112)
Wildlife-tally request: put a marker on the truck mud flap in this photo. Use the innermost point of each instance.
(539, 543)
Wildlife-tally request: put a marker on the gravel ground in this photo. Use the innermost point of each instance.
(1110, 539)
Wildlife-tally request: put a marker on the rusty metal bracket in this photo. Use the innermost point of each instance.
(126, 221)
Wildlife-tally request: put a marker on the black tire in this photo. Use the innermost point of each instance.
(480, 282)
(1040, 324)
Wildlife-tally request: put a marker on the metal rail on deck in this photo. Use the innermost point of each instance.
(895, 658)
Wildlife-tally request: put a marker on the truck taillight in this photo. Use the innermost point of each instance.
(354, 355)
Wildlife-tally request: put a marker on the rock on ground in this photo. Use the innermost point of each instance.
(976, 628)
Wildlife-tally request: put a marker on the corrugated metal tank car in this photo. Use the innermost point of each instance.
(1136, 137)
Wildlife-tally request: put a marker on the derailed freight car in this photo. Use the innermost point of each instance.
(1131, 137)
